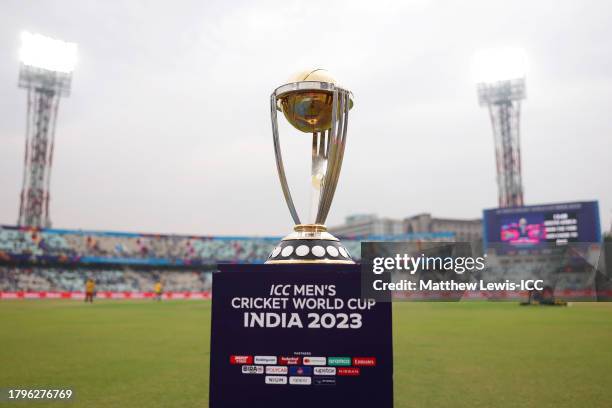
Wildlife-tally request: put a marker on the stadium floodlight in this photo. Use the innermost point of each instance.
(499, 64)
(46, 73)
(47, 53)
(46, 63)
(500, 77)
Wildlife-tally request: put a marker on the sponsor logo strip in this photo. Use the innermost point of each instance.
(325, 371)
(300, 380)
(348, 371)
(281, 370)
(276, 379)
(265, 359)
(289, 360)
(241, 359)
(339, 361)
(314, 361)
(251, 369)
(299, 370)
(364, 361)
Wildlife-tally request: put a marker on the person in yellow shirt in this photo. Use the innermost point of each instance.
(159, 290)
(90, 289)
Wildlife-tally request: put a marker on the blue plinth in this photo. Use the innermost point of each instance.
(298, 335)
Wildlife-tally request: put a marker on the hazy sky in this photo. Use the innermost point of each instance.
(168, 128)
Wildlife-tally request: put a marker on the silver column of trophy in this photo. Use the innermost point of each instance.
(313, 103)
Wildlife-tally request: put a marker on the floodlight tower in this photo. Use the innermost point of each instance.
(500, 78)
(46, 73)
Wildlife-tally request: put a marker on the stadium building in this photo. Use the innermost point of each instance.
(371, 225)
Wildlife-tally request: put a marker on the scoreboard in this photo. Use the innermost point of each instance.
(542, 225)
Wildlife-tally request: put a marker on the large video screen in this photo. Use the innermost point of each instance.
(538, 225)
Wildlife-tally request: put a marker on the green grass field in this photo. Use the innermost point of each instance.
(468, 354)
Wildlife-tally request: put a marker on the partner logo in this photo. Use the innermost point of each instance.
(241, 359)
(339, 361)
(348, 371)
(277, 370)
(364, 361)
(324, 381)
(289, 360)
(300, 370)
(251, 369)
(265, 359)
(315, 361)
(325, 371)
(300, 380)
(276, 379)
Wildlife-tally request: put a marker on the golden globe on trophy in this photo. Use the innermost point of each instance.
(313, 103)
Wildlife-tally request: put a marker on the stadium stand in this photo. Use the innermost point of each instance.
(57, 260)
(41, 279)
(574, 270)
(68, 246)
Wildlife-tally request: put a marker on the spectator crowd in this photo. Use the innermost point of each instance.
(62, 260)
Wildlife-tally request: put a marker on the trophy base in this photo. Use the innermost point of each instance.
(310, 243)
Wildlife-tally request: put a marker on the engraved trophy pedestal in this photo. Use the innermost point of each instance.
(310, 244)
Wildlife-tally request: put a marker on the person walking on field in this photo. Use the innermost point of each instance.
(90, 287)
(159, 290)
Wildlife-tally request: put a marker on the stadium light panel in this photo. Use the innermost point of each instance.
(43, 52)
(500, 64)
